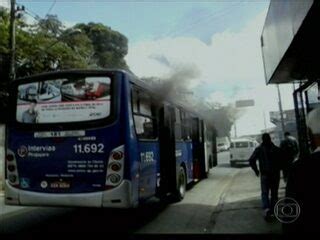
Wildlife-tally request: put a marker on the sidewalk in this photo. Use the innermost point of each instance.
(239, 210)
(242, 218)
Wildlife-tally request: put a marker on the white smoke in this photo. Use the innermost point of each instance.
(5, 3)
(231, 65)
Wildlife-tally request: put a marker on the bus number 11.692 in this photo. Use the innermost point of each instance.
(89, 148)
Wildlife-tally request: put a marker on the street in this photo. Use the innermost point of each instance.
(228, 201)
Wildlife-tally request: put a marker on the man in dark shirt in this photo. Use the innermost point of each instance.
(303, 184)
(269, 170)
(30, 115)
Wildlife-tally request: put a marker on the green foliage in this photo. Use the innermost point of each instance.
(110, 47)
(49, 46)
(51, 26)
(4, 31)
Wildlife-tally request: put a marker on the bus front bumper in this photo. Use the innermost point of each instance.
(118, 197)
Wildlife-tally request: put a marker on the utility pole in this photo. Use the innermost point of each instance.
(235, 129)
(264, 120)
(14, 13)
(12, 40)
(281, 112)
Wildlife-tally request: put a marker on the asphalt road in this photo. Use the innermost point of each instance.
(226, 202)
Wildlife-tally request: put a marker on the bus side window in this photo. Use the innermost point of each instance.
(177, 125)
(195, 129)
(135, 99)
(144, 127)
(186, 126)
(143, 116)
(145, 104)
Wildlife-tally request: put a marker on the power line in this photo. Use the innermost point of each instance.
(52, 6)
(203, 20)
(33, 16)
(31, 12)
(37, 17)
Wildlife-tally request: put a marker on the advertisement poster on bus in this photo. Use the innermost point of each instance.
(64, 100)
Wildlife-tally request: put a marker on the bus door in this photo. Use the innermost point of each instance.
(168, 168)
(306, 98)
(145, 120)
(209, 134)
(208, 151)
(184, 147)
(198, 148)
(213, 139)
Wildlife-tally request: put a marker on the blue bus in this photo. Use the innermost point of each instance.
(100, 138)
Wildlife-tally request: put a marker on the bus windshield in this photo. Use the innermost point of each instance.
(64, 100)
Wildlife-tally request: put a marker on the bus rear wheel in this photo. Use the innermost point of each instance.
(182, 185)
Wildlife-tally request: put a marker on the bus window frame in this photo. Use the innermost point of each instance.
(186, 126)
(153, 117)
(115, 87)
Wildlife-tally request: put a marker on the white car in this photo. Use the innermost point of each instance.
(241, 150)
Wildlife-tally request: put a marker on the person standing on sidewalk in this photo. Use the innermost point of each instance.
(290, 151)
(303, 183)
(269, 157)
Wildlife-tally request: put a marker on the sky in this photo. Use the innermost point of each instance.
(219, 39)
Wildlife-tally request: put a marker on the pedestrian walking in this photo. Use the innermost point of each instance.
(269, 157)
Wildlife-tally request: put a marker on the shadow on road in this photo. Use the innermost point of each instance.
(227, 165)
(237, 217)
(81, 220)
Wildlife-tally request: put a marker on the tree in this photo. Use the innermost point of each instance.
(48, 46)
(4, 50)
(110, 47)
(50, 26)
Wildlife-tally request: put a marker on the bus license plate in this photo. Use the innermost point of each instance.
(59, 185)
